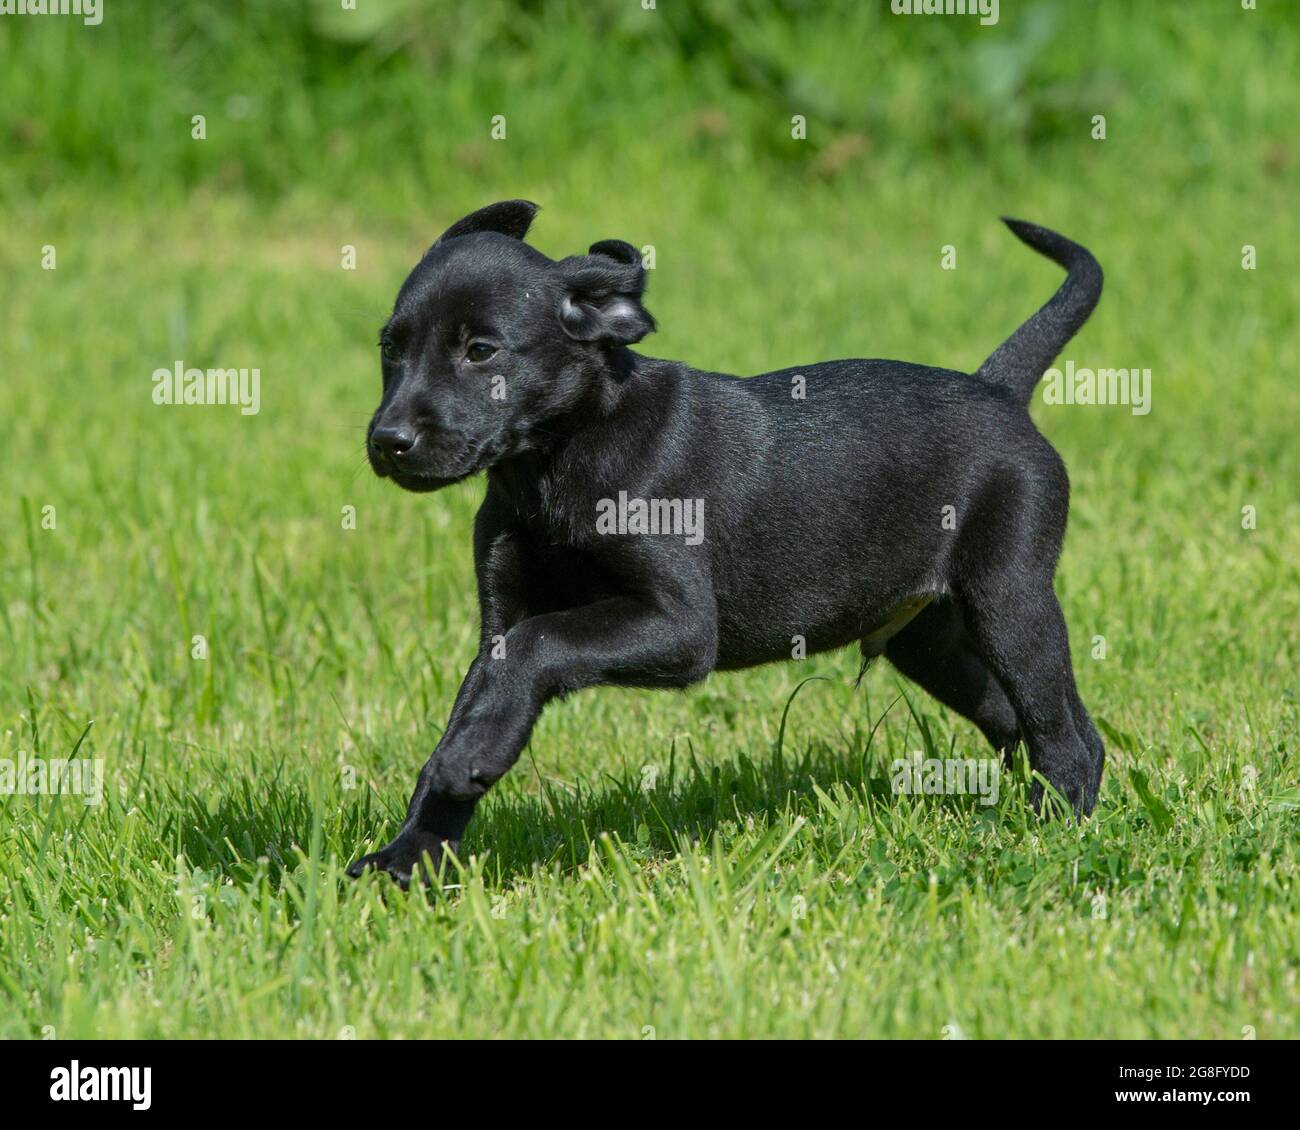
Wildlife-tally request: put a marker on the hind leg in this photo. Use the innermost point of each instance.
(1017, 625)
(936, 652)
(1092, 739)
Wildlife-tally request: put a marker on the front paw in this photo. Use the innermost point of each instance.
(402, 858)
(1073, 791)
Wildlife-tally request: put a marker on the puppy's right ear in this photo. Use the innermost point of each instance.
(509, 217)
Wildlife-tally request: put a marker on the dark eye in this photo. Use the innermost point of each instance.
(480, 351)
(390, 351)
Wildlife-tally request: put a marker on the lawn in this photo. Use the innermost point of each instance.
(261, 641)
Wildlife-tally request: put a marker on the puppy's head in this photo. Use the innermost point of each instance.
(490, 342)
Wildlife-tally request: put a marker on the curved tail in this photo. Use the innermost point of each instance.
(1020, 361)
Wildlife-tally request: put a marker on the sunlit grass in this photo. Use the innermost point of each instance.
(770, 883)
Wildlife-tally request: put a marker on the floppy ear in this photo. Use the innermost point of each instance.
(602, 300)
(509, 217)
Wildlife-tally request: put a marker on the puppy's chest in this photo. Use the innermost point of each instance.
(556, 575)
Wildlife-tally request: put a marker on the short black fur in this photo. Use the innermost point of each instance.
(915, 511)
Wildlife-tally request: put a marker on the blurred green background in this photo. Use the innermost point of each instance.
(204, 897)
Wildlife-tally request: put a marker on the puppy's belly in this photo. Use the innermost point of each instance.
(749, 641)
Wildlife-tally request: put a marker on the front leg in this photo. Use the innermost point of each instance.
(623, 641)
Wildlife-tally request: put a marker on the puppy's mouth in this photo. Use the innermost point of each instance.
(417, 482)
(421, 478)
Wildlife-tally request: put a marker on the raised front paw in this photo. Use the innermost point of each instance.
(400, 859)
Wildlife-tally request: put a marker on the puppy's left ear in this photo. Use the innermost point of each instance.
(509, 217)
(602, 300)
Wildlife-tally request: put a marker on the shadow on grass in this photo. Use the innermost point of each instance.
(689, 801)
(516, 834)
(277, 822)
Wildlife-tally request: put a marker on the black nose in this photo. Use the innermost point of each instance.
(393, 442)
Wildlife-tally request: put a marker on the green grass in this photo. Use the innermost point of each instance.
(769, 884)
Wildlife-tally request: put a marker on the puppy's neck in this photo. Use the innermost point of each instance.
(523, 478)
(595, 399)
(603, 388)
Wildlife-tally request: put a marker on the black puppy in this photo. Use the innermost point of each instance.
(646, 523)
